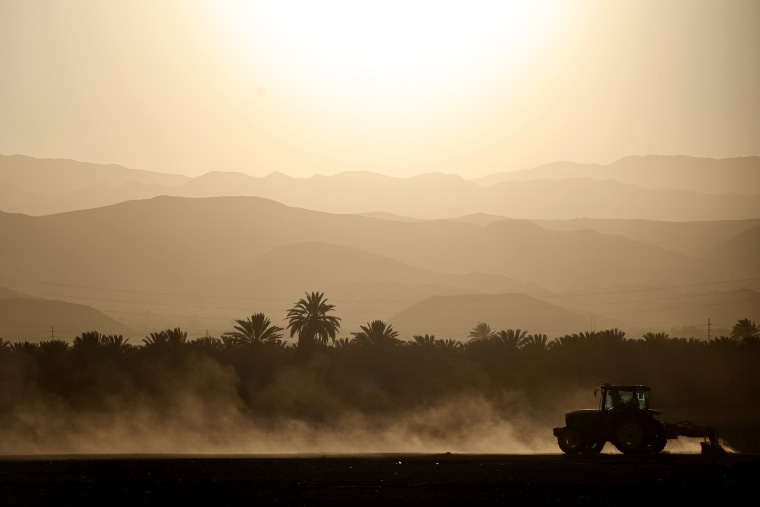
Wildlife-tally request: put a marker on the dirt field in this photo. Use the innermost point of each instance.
(379, 480)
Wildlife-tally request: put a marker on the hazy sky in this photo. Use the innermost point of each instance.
(396, 87)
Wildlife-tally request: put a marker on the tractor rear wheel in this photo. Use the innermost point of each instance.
(570, 441)
(659, 438)
(630, 437)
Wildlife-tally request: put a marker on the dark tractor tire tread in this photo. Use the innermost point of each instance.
(658, 439)
(570, 441)
(631, 436)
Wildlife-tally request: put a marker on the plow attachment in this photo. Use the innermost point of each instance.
(710, 443)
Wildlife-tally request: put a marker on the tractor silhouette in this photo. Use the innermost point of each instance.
(625, 419)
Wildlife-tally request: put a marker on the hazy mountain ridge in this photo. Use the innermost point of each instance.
(197, 260)
(287, 269)
(35, 319)
(11, 294)
(587, 197)
(452, 316)
(14, 199)
(699, 238)
(739, 175)
(564, 260)
(370, 284)
(536, 194)
(59, 176)
(740, 254)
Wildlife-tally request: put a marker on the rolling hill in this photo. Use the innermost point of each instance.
(655, 188)
(740, 175)
(34, 319)
(53, 177)
(454, 316)
(182, 244)
(204, 262)
(741, 254)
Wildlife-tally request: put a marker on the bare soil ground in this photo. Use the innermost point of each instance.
(369, 480)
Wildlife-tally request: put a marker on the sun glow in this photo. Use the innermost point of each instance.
(390, 43)
(392, 86)
(391, 35)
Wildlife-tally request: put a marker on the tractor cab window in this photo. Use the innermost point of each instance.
(643, 399)
(609, 400)
(615, 399)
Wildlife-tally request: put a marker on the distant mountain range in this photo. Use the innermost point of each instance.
(29, 318)
(653, 187)
(740, 175)
(200, 263)
(452, 316)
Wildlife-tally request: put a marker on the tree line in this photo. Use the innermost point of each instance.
(374, 370)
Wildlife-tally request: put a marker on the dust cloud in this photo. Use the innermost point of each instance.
(456, 426)
(203, 410)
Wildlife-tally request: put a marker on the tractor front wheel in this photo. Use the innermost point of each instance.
(570, 441)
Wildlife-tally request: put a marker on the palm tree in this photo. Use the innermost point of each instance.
(612, 336)
(480, 332)
(449, 345)
(342, 343)
(746, 331)
(53, 348)
(309, 319)
(25, 347)
(87, 341)
(159, 339)
(610, 341)
(116, 344)
(722, 342)
(207, 344)
(511, 338)
(166, 338)
(256, 329)
(582, 342)
(537, 342)
(376, 332)
(565, 342)
(176, 336)
(424, 341)
(229, 342)
(656, 338)
(91, 344)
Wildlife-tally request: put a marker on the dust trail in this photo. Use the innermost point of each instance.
(201, 407)
(457, 426)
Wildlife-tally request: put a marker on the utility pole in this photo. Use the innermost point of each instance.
(52, 333)
(708, 329)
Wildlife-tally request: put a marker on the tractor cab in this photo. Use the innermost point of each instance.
(615, 398)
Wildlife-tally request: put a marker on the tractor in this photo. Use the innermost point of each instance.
(625, 419)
